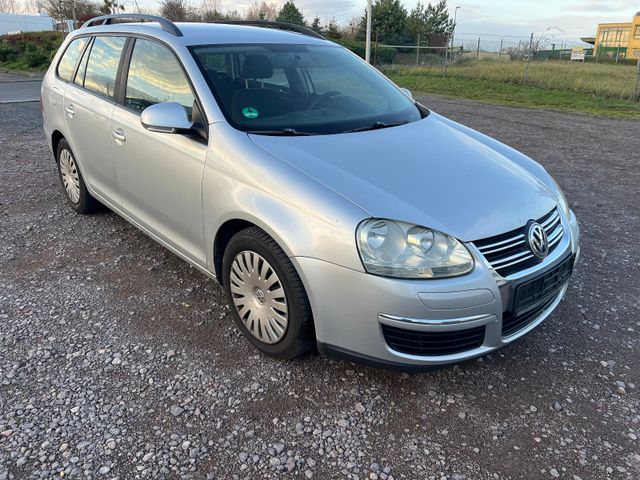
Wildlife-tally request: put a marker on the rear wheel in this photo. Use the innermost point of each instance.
(266, 296)
(72, 182)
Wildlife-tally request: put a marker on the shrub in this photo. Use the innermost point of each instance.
(7, 53)
(36, 58)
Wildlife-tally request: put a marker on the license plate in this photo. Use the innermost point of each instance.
(540, 289)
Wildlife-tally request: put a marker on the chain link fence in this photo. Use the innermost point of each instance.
(538, 62)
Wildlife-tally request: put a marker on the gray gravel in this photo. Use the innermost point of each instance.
(118, 360)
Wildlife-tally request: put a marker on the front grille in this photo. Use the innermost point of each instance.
(432, 343)
(534, 297)
(509, 253)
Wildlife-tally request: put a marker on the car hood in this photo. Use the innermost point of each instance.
(429, 172)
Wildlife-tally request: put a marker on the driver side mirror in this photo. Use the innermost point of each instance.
(407, 92)
(166, 117)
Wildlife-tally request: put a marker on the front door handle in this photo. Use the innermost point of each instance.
(70, 110)
(118, 134)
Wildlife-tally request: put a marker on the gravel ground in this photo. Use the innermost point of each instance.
(118, 360)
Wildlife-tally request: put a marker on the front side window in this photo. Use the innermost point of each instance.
(307, 89)
(70, 57)
(155, 76)
(102, 67)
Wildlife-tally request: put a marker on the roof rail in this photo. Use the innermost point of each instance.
(277, 25)
(167, 25)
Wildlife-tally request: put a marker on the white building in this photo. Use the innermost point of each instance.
(10, 23)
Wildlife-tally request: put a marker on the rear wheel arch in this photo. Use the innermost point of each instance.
(56, 136)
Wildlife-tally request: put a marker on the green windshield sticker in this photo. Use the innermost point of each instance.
(250, 112)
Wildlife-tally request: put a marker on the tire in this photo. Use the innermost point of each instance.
(73, 185)
(256, 301)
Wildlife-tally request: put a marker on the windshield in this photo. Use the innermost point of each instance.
(293, 89)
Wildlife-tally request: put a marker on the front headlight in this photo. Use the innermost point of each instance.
(403, 250)
(564, 204)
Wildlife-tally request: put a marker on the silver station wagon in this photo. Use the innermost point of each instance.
(336, 211)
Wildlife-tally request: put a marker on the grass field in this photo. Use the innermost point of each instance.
(602, 89)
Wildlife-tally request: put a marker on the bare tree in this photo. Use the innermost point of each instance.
(174, 10)
(262, 10)
(210, 6)
(84, 9)
(351, 30)
(7, 6)
(31, 7)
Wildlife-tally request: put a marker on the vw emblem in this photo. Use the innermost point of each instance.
(537, 240)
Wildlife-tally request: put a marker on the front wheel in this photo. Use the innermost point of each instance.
(266, 296)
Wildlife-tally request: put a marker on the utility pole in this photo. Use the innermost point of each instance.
(367, 55)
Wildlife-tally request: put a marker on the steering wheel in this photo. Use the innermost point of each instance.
(323, 97)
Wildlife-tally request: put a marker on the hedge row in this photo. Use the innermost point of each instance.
(31, 50)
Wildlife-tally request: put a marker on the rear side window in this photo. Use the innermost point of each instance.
(155, 76)
(82, 68)
(102, 67)
(70, 57)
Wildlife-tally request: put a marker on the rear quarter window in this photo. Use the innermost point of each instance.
(102, 67)
(70, 57)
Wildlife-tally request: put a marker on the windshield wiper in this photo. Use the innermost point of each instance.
(378, 126)
(285, 132)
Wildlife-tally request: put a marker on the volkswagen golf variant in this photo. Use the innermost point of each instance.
(336, 211)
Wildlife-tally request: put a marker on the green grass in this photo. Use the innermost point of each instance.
(591, 88)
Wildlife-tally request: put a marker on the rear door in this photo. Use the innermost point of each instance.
(88, 105)
(159, 174)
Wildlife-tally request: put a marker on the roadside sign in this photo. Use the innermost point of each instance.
(577, 53)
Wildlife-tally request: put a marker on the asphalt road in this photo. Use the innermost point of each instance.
(118, 360)
(19, 88)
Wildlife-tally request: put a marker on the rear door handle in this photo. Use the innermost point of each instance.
(118, 134)
(70, 110)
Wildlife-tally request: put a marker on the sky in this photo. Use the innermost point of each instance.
(562, 19)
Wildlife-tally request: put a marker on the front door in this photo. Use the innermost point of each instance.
(159, 174)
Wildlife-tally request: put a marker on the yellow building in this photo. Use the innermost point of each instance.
(618, 40)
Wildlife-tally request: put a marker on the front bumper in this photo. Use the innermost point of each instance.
(356, 314)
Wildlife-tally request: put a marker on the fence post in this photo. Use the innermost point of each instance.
(375, 48)
(418, 50)
(528, 59)
(501, 44)
(446, 52)
(478, 49)
(637, 94)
